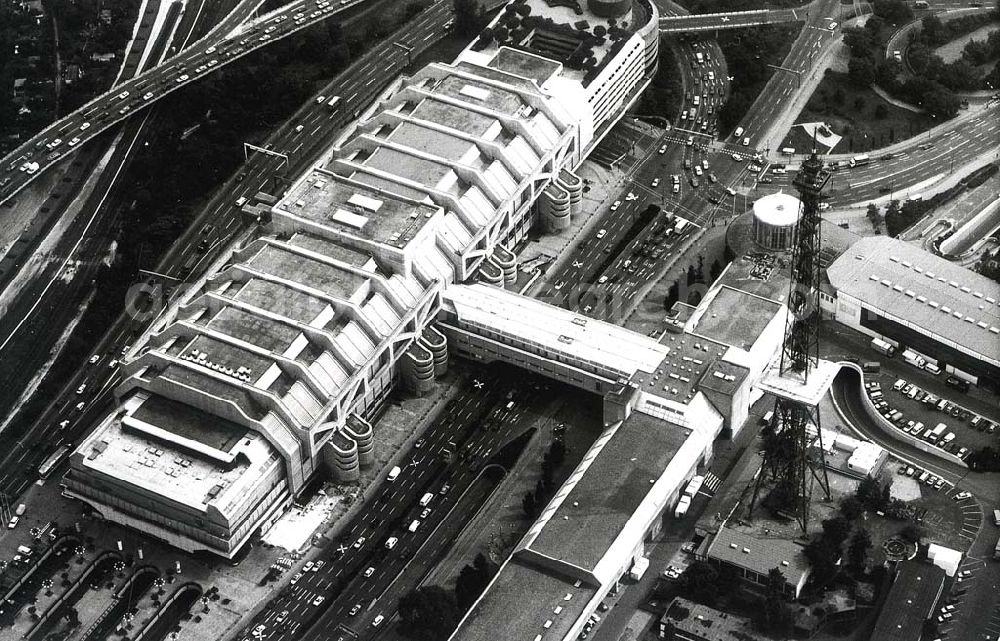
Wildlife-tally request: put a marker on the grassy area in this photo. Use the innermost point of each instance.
(864, 119)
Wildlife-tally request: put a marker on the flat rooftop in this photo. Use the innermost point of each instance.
(607, 349)
(280, 262)
(480, 94)
(614, 478)
(330, 249)
(173, 470)
(355, 209)
(279, 299)
(525, 64)
(431, 141)
(708, 623)
(458, 118)
(678, 375)
(520, 602)
(740, 275)
(260, 331)
(736, 318)
(190, 423)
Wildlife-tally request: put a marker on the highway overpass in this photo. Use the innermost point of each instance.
(732, 20)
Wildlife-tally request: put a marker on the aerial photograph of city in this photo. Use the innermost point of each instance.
(499, 320)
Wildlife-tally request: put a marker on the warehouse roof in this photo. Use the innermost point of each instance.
(901, 281)
(910, 602)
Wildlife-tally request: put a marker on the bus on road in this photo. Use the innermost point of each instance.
(45, 469)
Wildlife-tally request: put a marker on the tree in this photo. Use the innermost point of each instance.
(728, 255)
(773, 615)
(700, 582)
(836, 530)
(715, 270)
(861, 71)
(528, 504)
(822, 556)
(857, 550)
(468, 17)
(851, 507)
(673, 295)
(429, 613)
(692, 275)
(869, 491)
(881, 111)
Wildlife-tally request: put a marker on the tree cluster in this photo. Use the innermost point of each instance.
(934, 84)
(664, 95)
(773, 614)
(826, 550)
(535, 500)
(472, 581)
(429, 613)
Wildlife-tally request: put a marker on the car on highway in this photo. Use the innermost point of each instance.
(354, 610)
(81, 389)
(697, 170)
(182, 78)
(295, 579)
(377, 621)
(269, 30)
(55, 143)
(299, 128)
(319, 600)
(12, 523)
(601, 233)
(213, 62)
(444, 489)
(425, 513)
(746, 142)
(676, 188)
(391, 542)
(359, 542)
(655, 183)
(603, 279)
(370, 571)
(281, 617)
(308, 566)
(420, 443)
(736, 157)
(663, 150)
(123, 95)
(259, 629)
(210, 51)
(124, 110)
(85, 126)
(414, 525)
(80, 406)
(74, 142)
(767, 180)
(615, 205)
(63, 424)
(94, 359)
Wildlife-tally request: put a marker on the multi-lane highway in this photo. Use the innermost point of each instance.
(227, 42)
(355, 590)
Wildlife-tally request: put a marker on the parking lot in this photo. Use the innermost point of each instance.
(947, 424)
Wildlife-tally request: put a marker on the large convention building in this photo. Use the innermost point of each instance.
(893, 290)
(270, 366)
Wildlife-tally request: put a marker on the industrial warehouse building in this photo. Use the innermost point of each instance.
(890, 289)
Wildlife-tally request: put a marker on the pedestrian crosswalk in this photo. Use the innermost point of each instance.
(712, 483)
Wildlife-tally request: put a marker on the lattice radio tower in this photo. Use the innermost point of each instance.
(794, 457)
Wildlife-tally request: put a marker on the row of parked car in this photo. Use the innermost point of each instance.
(937, 435)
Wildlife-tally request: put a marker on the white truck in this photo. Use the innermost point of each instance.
(883, 347)
(425, 499)
(682, 506)
(933, 435)
(914, 358)
(393, 473)
(693, 486)
(639, 567)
